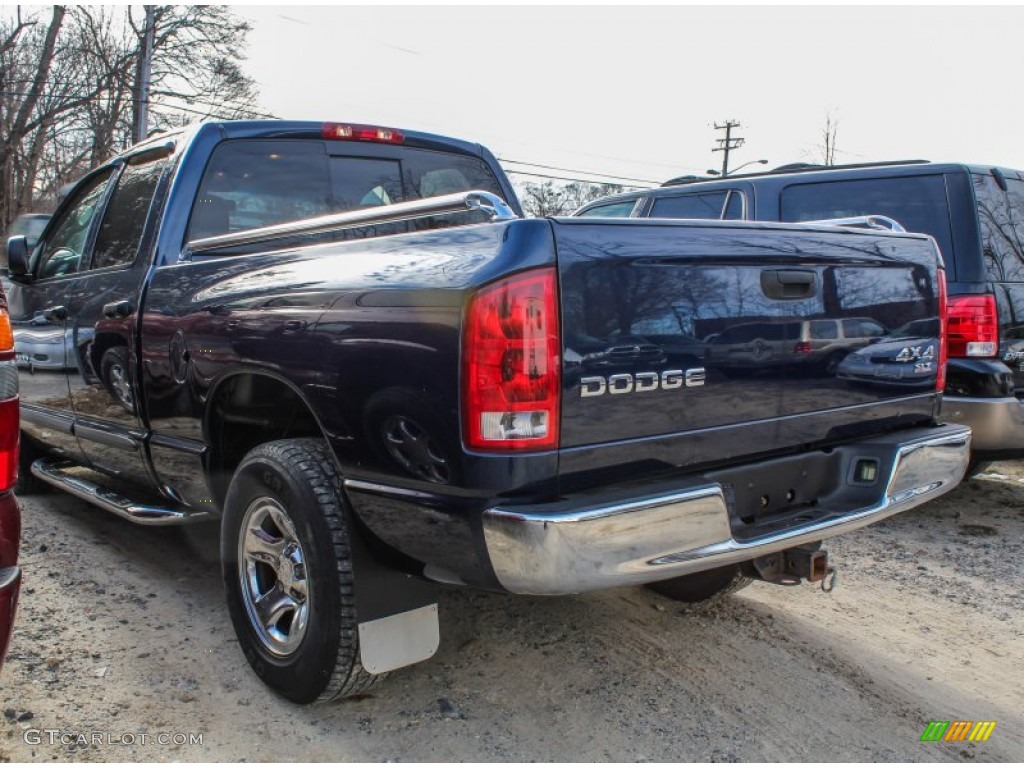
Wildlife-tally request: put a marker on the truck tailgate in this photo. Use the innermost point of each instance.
(697, 342)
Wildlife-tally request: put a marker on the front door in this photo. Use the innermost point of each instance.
(39, 312)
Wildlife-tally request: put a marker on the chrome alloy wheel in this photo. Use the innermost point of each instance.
(272, 571)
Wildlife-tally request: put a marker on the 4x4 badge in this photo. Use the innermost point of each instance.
(910, 354)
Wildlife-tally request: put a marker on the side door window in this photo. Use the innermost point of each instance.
(734, 206)
(622, 209)
(120, 233)
(63, 251)
(707, 205)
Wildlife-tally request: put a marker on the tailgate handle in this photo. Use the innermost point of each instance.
(789, 283)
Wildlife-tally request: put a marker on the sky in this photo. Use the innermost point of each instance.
(633, 93)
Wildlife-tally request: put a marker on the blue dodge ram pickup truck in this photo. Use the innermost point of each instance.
(346, 343)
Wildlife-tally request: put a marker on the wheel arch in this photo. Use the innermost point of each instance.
(259, 406)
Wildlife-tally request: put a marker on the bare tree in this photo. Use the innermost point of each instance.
(195, 60)
(550, 199)
(70, 87)
(25, 70)
(828, 136)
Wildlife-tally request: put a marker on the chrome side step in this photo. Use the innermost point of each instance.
(56, 474)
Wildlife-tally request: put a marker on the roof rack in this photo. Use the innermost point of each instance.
(792, 168)
(873, 221)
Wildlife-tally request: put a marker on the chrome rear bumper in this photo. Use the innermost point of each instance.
(584, 544)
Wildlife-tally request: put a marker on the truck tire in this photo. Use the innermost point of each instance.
(288, 572)
(705, 587)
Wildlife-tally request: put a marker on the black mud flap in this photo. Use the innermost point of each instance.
(396, 612)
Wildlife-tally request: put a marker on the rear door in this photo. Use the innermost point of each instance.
(102, 316)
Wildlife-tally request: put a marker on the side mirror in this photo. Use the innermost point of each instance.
(17, 258)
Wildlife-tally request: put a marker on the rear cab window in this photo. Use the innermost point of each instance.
(919, 203)
(251, 183)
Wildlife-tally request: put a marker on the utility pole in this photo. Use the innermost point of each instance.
(141, 128)
(728, 143)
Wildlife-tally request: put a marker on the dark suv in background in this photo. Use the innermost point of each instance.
(974, 212)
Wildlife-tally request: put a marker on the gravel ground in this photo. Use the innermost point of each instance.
(122, 633)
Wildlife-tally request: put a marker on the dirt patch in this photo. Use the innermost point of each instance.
(122, 632)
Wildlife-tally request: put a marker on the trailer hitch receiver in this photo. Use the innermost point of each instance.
(792, 566)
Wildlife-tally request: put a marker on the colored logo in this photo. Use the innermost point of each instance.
(958, 730)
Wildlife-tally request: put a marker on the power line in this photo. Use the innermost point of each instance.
(567, 178)
(227, 105)
(254, 112)
(251, 112)
(575, 170)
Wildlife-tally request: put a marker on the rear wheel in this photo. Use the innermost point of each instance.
(288, 572)
(704, 587)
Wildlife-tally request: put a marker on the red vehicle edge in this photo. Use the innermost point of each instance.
(10, 516)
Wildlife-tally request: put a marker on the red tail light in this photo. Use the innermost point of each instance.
(802, 348)
(940, 376)
(9, 418)
(973, 326)
(511, 364)
(351, 132)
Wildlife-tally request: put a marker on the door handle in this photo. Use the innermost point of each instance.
(56, 314)
(789, 283)
(117, 309)
(294, 326)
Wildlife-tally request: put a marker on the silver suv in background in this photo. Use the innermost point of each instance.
(820, 345)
